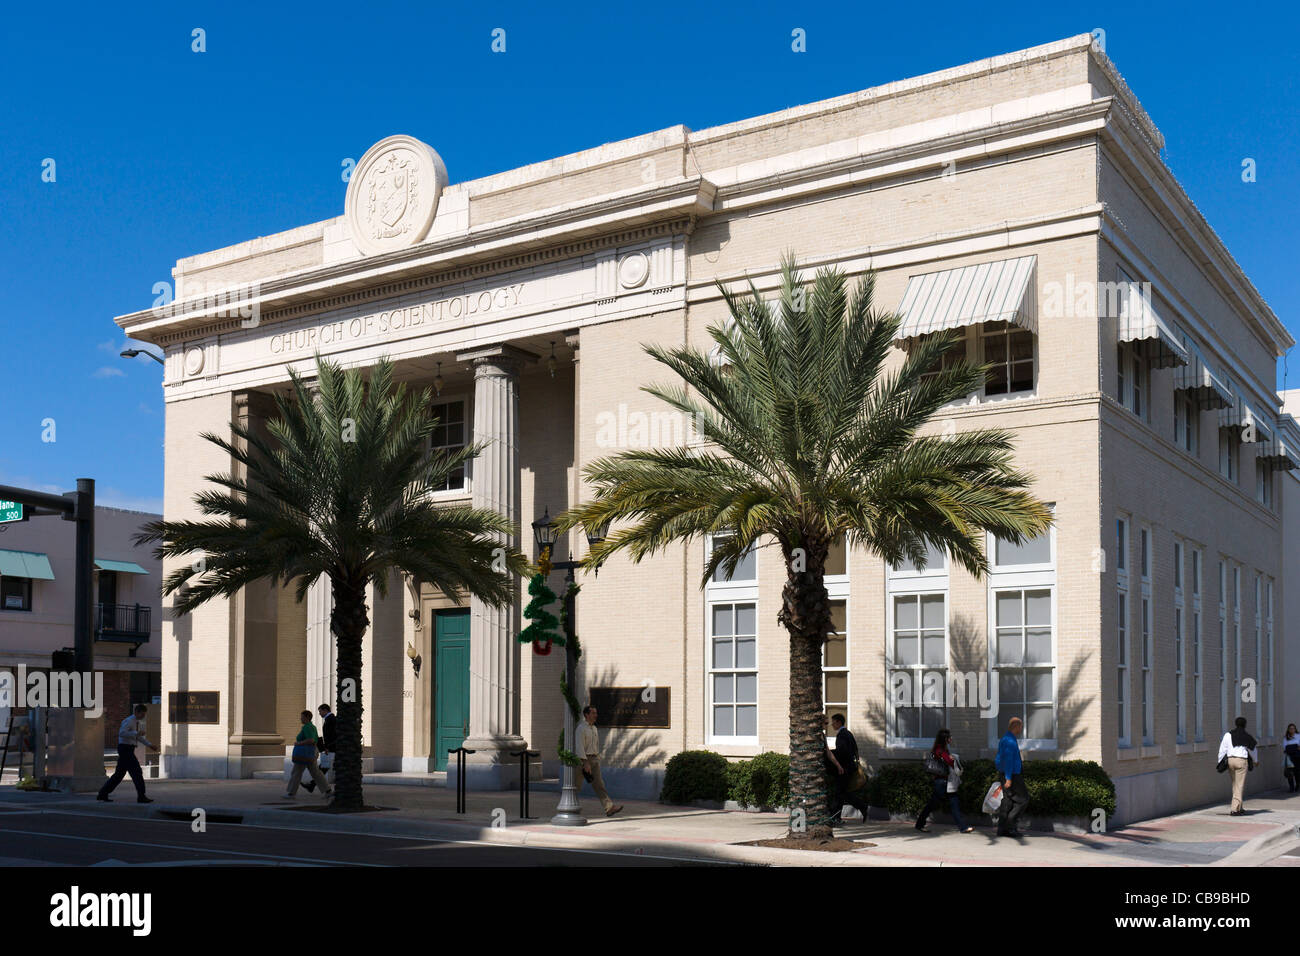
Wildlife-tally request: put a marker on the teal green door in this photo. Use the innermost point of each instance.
(451, 679)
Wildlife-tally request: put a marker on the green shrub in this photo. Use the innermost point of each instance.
(695, 775)
(1057, 788)
(903, 787)
(761, 782)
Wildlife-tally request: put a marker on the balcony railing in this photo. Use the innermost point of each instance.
(127, 623)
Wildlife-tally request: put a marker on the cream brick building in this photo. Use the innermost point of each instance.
(1021, 198)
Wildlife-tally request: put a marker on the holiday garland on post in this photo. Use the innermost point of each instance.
(568, 757)
(541, 633)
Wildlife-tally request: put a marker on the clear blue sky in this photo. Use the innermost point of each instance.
(161, 152)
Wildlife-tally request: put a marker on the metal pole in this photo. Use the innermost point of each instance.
(569, 811)
(83, 621)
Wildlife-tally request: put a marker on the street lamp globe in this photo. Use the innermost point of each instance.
(544, 532)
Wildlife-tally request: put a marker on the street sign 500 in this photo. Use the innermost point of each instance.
(10, 511)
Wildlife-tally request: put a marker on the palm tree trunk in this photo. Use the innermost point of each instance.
(348, 621)
(806, 615)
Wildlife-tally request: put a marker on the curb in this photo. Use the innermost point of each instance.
(1283, 837)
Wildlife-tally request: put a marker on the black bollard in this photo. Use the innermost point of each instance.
(523, 756)
(460, 753)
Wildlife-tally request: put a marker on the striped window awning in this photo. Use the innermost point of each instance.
(1279, 452)
(1000, 291)
(25, 564)
(1253, 427)
(1199, 379)
(1141, 324)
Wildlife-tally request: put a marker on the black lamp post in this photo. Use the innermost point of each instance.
(569, 812)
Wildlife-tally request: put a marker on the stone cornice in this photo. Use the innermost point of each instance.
(1060, 124)
(1189, 227)
(562, 232)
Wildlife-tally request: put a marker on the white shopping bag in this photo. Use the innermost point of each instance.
(326, 761)
(993, 799)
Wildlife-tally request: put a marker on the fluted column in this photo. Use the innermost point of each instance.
(494, 484)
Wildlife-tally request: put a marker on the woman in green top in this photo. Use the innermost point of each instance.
(304, 758)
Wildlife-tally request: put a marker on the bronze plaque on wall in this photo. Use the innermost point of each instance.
(628, 706)
(194, 707)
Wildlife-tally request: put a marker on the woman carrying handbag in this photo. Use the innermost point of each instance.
(945, 768)
(305, 749)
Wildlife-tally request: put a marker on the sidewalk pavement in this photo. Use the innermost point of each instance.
(1200, 837)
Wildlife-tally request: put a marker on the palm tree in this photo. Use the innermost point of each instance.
(340, 491)
(810, 438)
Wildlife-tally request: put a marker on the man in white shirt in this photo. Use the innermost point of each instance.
(1238, 748)
(129, 735)
(589, 750)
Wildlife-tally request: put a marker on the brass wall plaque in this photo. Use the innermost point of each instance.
(194, 707)
(631, 706)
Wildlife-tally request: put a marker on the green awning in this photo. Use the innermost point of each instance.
(25, 564)
(126, 567)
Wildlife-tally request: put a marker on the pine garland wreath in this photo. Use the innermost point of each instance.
(541, 631)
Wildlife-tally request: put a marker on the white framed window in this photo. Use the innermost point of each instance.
(958, 353)
(1132, 381)
(1266, 670)
(1229, 447)
(1223, 648)
(1008, 350)
(835, 662)
(1236, 645)
(745, 575)
(835, 652)
(733, 673)
(1259, 653)
(1145, 627)
(1264, 484)
(451, 434)
(731, 606)
(916, 654)
(1187, 423)
(1180, 682)
(1197, 695)
(1022, 636)
(1122, 631)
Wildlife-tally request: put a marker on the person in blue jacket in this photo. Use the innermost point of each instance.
(1015, 795)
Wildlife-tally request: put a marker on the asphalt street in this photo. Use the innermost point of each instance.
(69, 838)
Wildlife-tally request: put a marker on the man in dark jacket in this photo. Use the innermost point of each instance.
(328, 735)
(843, 763)
(1015, 795)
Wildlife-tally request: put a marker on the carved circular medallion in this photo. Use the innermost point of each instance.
(193, 360)
(393, 194)
(633, 270)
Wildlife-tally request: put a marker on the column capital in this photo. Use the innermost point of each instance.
(506, 357)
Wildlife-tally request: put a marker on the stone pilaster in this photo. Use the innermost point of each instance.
(494, 648)
(255, 744)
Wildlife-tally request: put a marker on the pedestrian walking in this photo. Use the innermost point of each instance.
(945, 768)
(850, 779)
(1015, 795)
(129, 735)
(589, 750)
(1291, 757)
(328, 735)
(1237, 755)
(305, 748)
